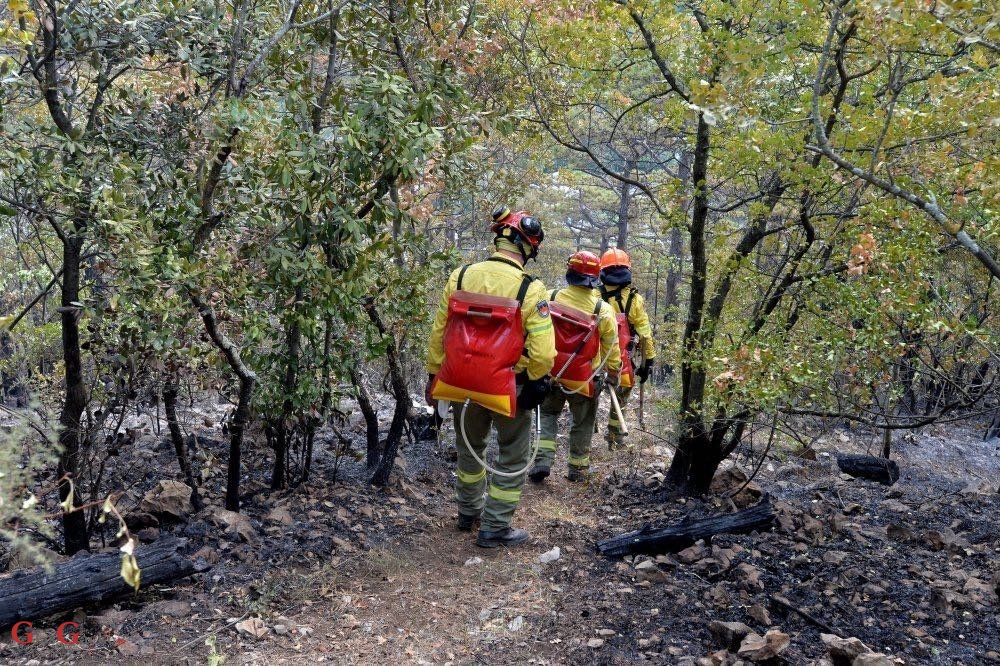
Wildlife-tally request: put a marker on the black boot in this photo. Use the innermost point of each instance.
(465, 522)
(538, 473)
(508, 536)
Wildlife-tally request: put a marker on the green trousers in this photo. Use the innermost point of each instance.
(583, 411)
(494, 501)
(614, 427)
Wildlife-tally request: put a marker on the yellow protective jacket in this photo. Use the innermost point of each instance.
(501, 276)
(638, 319)
(584, 299)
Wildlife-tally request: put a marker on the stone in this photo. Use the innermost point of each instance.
(234, 522)
(844, 648)
(280, 515)
(728, 635)
(760, 615)
(692, 554)
(873, 659)
(768, 646)
(253, 626)
(169, 498)
(549, 556)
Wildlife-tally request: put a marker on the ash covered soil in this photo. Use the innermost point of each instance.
(337, 571)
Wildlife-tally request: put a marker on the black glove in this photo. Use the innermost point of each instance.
(643, 372)
(427, 392)
(533, 393)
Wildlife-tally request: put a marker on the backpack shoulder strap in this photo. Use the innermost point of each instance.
(461, 274)
(597, 307)
(526, 281)
(607, 296)
(628, 303)
(552, 294)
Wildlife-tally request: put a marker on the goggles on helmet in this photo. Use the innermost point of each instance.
(522, 223)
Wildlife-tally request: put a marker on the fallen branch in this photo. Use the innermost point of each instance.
(678, 537)
(33, 593)
(782, 603)
(869, 467)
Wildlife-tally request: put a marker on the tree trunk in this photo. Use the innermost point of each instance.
(371, 418)
(248, 380)
(240, 420)
(401, 394)
(869, 467)
(75, 399)
(170, 393)
(283, 434)
(993, 430)
(624, 201)
(694, 463)
(677, 537)
(31, 594)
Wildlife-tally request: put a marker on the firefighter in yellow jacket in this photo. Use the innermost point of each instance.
(583, 393)
(518, 236)
(617, 290)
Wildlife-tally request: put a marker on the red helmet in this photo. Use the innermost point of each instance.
(527, 228)
(585, 263)
(615, 257)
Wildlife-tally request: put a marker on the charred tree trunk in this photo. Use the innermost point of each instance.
(676, 538)
(170, 392)
(694, 464)
(993, 430)
(248, 380)
(282, 433)
(869, 467)
(371, 418)
(35, 593)
(400, 393)
(75, 400)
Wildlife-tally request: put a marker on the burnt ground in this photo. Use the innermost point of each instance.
(337, 571)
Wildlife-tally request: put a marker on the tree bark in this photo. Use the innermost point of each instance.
(248, 380)
(75, 399)
(371, 418)
(31, 594)
(694, 463)
(170, 393)
(677, 537)
(401, 394)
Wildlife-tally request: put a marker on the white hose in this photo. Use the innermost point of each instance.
(468, 446)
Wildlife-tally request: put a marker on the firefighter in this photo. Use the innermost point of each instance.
(579, 365)
(492, 503)
(616, 289)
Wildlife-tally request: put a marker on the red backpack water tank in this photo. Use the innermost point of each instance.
(577, 343)
(483, 339)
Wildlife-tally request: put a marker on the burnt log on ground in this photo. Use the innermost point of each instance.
(882, 470)
(675, 538)
(30, 594)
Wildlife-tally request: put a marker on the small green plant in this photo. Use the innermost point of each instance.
(22, 456)
(215, 658)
